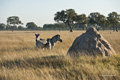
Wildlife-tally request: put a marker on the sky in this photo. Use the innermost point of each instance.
(42, 11)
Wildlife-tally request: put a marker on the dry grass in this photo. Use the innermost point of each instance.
(20, 60)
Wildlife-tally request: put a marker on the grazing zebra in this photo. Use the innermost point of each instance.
(47, 43)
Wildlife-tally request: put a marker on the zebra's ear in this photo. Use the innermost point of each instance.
(38, 34)
(58, 35)
(35, 34)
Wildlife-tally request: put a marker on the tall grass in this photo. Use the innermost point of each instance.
(20, 60)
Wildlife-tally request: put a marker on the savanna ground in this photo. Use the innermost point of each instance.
(20, 60)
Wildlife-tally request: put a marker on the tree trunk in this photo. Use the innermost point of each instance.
(116, 28)
(103, 28)
(113, 28)
(71, 29)
(12, 29)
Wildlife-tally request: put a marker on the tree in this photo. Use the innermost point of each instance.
(31, 25)
(67, 17)
(104, 24)
(114, 19)
(82, 20)
(96, 19)
(57, 26)
(2, 26)
(21, 28)
(13, 21)
(9, 27)
(102, 21)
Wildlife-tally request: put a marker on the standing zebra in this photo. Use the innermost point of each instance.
(47, 43)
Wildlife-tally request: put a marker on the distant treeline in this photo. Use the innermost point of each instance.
(55, 26)
(62, 26)
(68, 20)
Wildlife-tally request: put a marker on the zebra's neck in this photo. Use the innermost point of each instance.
(53, 41)
(37, 38)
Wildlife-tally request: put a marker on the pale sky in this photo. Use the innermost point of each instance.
(42, 11)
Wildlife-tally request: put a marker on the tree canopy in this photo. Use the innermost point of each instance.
(66, 16)
(2, 26)
(13, 21)
(114, 19)
(31, 25)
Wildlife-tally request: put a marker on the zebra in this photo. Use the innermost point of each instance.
(47, 43)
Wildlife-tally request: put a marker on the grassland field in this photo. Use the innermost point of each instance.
(21, 60)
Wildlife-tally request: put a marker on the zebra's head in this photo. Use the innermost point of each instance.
(57, 37)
